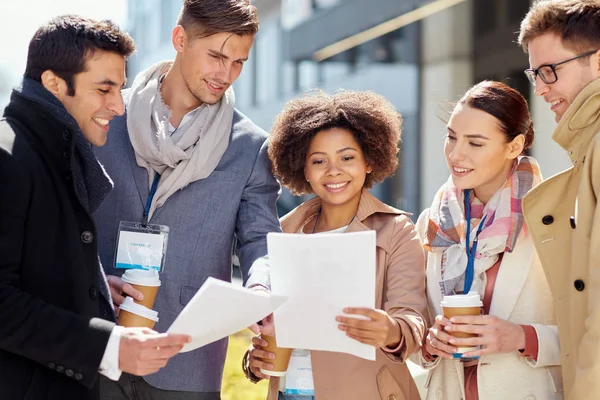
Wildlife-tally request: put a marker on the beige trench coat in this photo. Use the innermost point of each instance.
(400, 291)
(563, 216)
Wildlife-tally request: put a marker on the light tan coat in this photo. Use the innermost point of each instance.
(400, 291)
(570, 251)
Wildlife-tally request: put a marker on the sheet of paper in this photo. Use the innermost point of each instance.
(321, 274)
(220, 309)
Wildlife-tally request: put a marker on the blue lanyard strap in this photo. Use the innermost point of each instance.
(471, 250)
(150, 197)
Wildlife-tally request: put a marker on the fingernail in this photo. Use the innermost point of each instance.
(452, 341)
(338, 319)
(346, 310)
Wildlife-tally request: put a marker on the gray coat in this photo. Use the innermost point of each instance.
(238, 198)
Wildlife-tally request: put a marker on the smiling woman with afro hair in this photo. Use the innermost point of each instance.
(337, 146)
(373, 120)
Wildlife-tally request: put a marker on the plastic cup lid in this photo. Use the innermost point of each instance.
(130, 306)
(471, 299)
(141, 277)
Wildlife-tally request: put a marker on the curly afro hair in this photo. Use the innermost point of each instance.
(373, 120)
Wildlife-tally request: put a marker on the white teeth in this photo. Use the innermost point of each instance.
(555, 102)
(102, 121)
(461, 170)
(215, 86)
(337, 185)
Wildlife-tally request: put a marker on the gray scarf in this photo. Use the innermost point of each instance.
(192, 152)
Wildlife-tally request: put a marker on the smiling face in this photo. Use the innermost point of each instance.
(477, 152)
(210, 65)
(336, 167)
(572, 76)
(97, 98)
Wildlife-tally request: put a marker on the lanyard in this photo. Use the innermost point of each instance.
(472, 251)
(150, 197)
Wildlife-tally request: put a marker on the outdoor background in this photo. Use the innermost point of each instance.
(420, 54)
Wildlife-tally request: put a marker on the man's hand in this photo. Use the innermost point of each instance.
(119, 290)
(143, 351)
(258, 356)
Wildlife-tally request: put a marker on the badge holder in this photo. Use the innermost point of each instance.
(299, 378)
(141, 246)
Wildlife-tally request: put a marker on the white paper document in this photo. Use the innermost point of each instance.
(321, 274)
(220, 309)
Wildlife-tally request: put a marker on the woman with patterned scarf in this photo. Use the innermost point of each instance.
(518, 354)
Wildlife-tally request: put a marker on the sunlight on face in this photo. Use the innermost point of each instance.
(210, 65)
(572, 76)
(336, 167)
(97, 99)
(477, 152)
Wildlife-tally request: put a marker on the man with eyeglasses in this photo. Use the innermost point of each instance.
(562, 38)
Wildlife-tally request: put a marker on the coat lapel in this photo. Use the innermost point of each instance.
(511, 277)
(140, 175)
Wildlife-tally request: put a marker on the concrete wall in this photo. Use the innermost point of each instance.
(446, 56)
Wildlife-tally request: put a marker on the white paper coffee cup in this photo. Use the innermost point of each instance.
(136, 315)
(460, 305)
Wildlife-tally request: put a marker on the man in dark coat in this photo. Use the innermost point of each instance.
(57, 329)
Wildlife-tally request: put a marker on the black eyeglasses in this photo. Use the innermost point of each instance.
(547, 72)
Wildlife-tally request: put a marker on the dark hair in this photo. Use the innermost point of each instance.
(64, 44)
(373, 120)
(202, 18)
(576, 22)
(506, 104)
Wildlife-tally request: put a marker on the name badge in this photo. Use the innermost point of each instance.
(299, 378)
(141, 246)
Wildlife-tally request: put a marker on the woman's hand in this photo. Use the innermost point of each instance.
(436, 342)
(257, 356)
(380, 330)
(496, 335)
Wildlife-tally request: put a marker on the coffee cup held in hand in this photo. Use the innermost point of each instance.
(282, 357)
(145, 281)
(459, 305)
(133, 315)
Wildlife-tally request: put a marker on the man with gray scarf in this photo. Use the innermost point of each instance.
(183, 157)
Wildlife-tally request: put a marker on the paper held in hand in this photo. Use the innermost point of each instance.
(322, 274)
(220, 309)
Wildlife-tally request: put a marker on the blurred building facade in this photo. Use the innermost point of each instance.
(420, 54)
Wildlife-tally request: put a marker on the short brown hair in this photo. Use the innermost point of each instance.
(64, 45)
(504, 103)
(373, 120)
(202, 18)
(576, 22)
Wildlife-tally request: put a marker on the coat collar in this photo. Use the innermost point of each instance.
(570, 133)
(55, 139)
(307, 211)
(512, 276)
